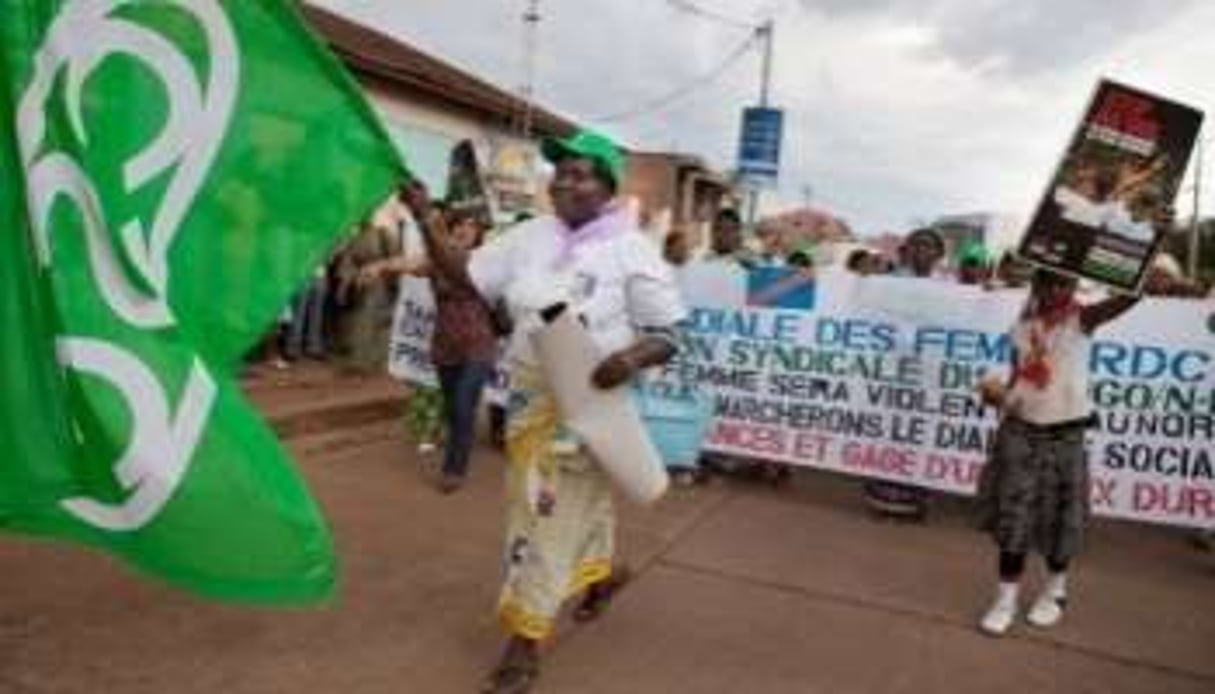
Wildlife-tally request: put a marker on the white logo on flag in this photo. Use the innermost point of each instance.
(81, 37)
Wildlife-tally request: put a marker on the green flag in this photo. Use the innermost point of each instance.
(170, 172)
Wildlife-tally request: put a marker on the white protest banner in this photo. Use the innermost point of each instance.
(413, 323)
(875, 377)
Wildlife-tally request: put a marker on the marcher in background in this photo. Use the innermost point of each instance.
(726, 249)
(463, 349)
(463, 345)
(858, 262)
(773, 245)
(590, 257)
(726, 245)
(974, 265)
(802, 257)
(366, 317)
(865, 262)
(677, 248)
(921, 255)
(1181, 286)
(307, 333)
(1011, 273)
(726, 240)
(1034, 491)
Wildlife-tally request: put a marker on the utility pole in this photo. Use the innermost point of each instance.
(531, 44)
(1195, 221)
(764, 33)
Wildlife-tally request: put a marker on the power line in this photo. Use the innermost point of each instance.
(711, 15)
(685, 89)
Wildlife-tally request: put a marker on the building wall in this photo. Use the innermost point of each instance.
(673, 193)
(651, 182)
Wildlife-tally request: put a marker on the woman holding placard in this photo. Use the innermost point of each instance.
(1034, 490)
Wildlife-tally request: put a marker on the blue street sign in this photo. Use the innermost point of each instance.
(759, 145)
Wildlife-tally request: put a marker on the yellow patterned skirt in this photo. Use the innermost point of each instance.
(561, 523)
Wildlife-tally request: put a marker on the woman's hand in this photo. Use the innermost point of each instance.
(1157, 283)
(993, 391)
(622, 366)
(617, 369)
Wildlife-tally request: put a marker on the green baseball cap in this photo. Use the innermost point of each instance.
(587, 144)
(974, 253)
(804, 254)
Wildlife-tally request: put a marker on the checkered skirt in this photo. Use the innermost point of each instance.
(1034, 490)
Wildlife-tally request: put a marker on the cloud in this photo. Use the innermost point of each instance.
(1012, 38)
(897, 110)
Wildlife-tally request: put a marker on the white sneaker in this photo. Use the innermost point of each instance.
(1047, 610)
(1003, 611)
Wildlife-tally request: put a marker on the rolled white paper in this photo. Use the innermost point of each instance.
(605, 421)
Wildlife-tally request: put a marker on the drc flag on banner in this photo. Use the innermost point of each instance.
(781, 287)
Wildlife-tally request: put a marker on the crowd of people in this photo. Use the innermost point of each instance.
(589, 256)
(338, 316)
(1033, 494)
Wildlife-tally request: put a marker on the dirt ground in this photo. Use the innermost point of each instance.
(741, 588)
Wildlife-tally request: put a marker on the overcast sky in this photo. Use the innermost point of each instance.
(897, 110)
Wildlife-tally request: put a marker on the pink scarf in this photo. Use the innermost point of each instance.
(614, 219)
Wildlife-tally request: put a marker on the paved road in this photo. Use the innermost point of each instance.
(742, 589)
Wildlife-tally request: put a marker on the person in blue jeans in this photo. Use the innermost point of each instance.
(306, 333)
(463, 347)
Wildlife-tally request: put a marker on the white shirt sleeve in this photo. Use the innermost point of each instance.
(491, 268)
(651, 290)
